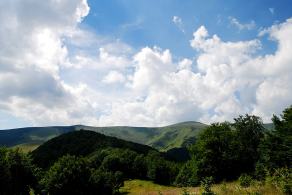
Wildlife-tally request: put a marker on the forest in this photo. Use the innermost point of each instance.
(86, 162)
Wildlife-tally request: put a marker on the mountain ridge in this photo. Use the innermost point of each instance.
(162, 138)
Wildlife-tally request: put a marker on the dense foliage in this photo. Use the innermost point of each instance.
(16, 172)
(80, 143)
(86, 162)
(224, 150)
(244, 148)
(276, 148)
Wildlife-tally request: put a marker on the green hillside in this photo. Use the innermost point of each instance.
(31, 135)
(81, 143)
(161, 138)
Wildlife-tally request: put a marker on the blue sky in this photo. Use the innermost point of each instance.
(148, 23)
(143, 62)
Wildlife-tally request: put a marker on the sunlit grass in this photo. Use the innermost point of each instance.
(140, 187)
(26, 147)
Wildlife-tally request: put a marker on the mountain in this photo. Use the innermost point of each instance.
(31, 135)
(81, 143)
(161, 138)
(269, 126)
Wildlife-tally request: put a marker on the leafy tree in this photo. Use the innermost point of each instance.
(5, 176)
(188, 175)
(276, 148)
(16, 172)
(224, 151)
(159, 170)
(140, 167)
(69, 175)
(215, 152)
(73, 175)
(106, 182)
(120, 160)
(250, 131)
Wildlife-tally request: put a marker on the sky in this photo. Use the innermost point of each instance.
(143, 62)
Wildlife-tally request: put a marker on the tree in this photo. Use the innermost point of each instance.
(276, 148)
(188, 175)
(250, 132)
(69, 175)
(106, 182)
(16, 172)
(5, 176)
(224, 150)
(215, 152)
(159, 170)
(120, 160)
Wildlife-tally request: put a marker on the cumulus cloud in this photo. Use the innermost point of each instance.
(31, 55)
(114, 77)
(231, 79)
(247, 26)
(54, 72)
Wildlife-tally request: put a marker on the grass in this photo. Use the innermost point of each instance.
(140, 187)
(26, 147)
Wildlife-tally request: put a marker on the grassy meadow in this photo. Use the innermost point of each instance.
(141, 187)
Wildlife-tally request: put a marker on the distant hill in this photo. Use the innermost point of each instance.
(81, 143)
(31, 135)
(269, 126)
(161, 138)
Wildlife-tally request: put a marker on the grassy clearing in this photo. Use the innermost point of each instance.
(26, 147)
(132, 187)
(139, 187)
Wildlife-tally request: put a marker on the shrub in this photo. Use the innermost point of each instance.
(185, 192)
(206, 184)
(260, 172)
(187, 175)
(245, 180)
(281, 179)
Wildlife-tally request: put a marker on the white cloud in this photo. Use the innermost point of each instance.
(179, 23)
(31, 54)
(247, 26)
(54, 72)
(114, 77)
(231, 80)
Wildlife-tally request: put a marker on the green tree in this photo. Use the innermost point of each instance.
(276, 148)
(188, 175)
(5, 176)
(159, 170)
(250, 132)
(69, 175)
(106, 182)
(215, 152)
(120, 160)
(16, 172)
(224, 151)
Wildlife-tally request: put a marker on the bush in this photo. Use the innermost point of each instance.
(260, 172)
(187, 175)
(245, 180)
(185, 192)
(206, 184)
(281, 179)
